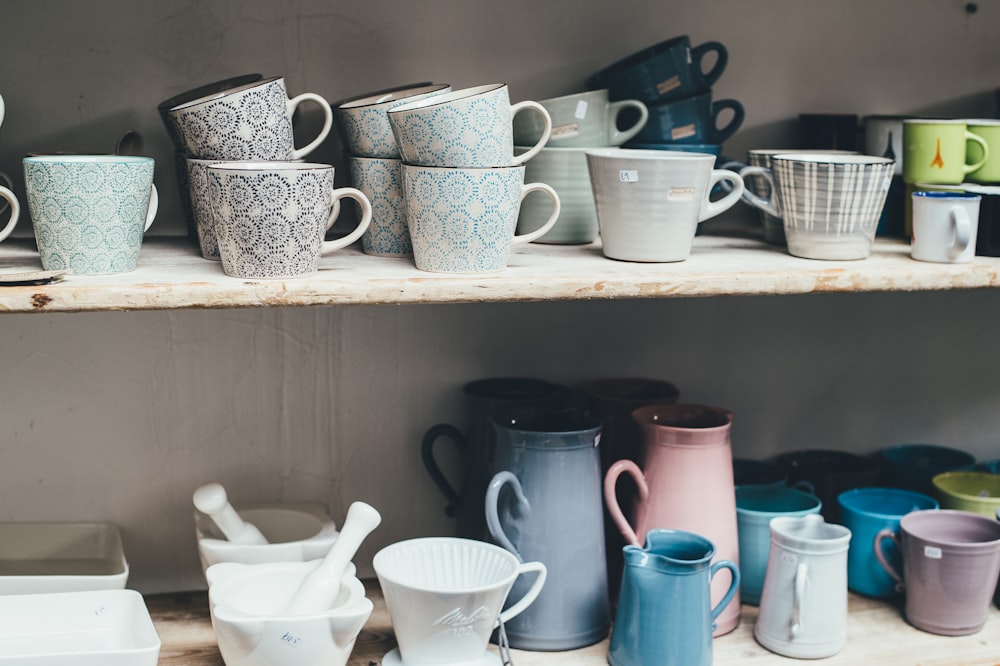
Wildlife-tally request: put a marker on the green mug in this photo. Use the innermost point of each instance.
(989, 131)
(934, 151)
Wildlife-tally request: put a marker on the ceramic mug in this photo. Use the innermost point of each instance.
(974, 491)
(201, 206)
(944, 226)
(9, 200)
(364, 123)
(829, 131)
(271, 217)
(208, 89)
(90, 211)
(935, 151)
(830, 472)
(581, 120)
(756, 506)
(951, 561)
(248, 122)
(691, 120)
(445, 596)
(463, 220)
(867, 511)
(469, 128)
(989, 131)
(649, 203)
(565, 170)
(669, 70)
(830, 204)
(381, 180)
(884, 136)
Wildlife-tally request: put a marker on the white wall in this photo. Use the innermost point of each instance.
(118, 416)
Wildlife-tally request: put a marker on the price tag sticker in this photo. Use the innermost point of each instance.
(628, 176)
(563, 131)
(932, 552)
(680, 194)
(581, 110)
(291, 639)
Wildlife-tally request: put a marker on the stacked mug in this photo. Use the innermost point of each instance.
(257, 206)
(579, 122)
(376, 168)
(462, 183)
(669, 78)
(10, 201)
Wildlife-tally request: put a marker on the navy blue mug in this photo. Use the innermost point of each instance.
(669, 70)
(691, 120)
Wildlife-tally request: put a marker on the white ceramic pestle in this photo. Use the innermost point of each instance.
(320, 587)
(211, 500)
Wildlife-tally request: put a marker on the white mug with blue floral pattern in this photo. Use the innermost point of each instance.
(90, 211)
(381, 179)
(463, 220)
(364, 124)
(249, 122)
(271, 218)
(472, 127)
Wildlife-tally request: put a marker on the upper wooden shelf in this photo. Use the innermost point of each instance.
(173, 275)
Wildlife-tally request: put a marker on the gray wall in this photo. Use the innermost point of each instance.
(119, 416)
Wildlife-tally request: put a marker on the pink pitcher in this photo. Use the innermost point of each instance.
(686, 483)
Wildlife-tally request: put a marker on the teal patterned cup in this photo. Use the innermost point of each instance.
(381, 180)
(463, 220)
(90, 211)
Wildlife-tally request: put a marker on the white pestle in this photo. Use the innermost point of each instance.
(211, 499)
(319, 589)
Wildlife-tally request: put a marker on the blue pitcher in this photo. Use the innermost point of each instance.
(664, 613)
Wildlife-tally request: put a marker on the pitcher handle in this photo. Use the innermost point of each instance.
(437, 476)
(801, 583)
(529, 596)
(883, 534)
(611, 497)
(733, 586)
(500, 479)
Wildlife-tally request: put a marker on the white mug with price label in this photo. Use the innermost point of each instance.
(650, 202)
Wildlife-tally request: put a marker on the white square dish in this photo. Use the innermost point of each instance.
(60, 557)
(93, 628)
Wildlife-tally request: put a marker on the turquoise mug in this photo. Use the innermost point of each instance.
(912, 466)
(664, 614)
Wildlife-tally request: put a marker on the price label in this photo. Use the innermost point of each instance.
(628, 176)
(932, 552)
(581, 110)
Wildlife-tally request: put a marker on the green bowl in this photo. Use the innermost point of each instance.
(978, 492)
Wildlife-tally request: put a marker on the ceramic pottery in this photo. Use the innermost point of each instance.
(207, 90)
(381, 180)
(829, 473)
(249, 122)
(582, 120)
(545, 505)
(935, 151)
(90, 211)
(974, 491)
(565, 170)
(271, 217)
(364, 123)
(884, 136)
(912, 466)
(692, 120)
(944, 226)
(987, 129)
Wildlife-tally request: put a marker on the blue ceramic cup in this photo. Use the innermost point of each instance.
(755, 507)
(912, 466)
(665, 613)
(671, 69)
(866, 511)
(691, 120)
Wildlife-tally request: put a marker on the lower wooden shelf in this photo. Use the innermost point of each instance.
(877, 636)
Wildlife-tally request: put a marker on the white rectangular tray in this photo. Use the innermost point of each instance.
(95, 628)
(61, 557)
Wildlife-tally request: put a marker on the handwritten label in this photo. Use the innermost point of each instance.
(788, 558)
(581, 110)
(562, 131)
(680, 194)
(100, 610)
(663, 87)
(683, 132)
(291, 639)
(628, 176)
(932, 552)
(460, 624)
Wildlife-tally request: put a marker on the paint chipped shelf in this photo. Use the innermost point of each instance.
(173, 275)
(877, 635)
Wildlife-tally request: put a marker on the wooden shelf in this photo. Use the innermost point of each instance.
(173, 275)
(877, 635)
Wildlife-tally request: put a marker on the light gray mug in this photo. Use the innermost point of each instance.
(582, 120)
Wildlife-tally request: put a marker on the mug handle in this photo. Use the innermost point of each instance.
(618, 137)
(698, 53)
(546, 131)
(739, 114)
(969, 136)
(292, 104)
(882, 559)
(768, 205)
(15, 212)
(963, 230)
(154, 205)
(500, 479)
(529, 596)
(611, 497)
(8, 183)
(711, 208)
(366, 218)
(556, 207)
(733, 586)
(427, 455)
(798, 594)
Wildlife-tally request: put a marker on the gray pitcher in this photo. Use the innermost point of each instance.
(552, 513)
